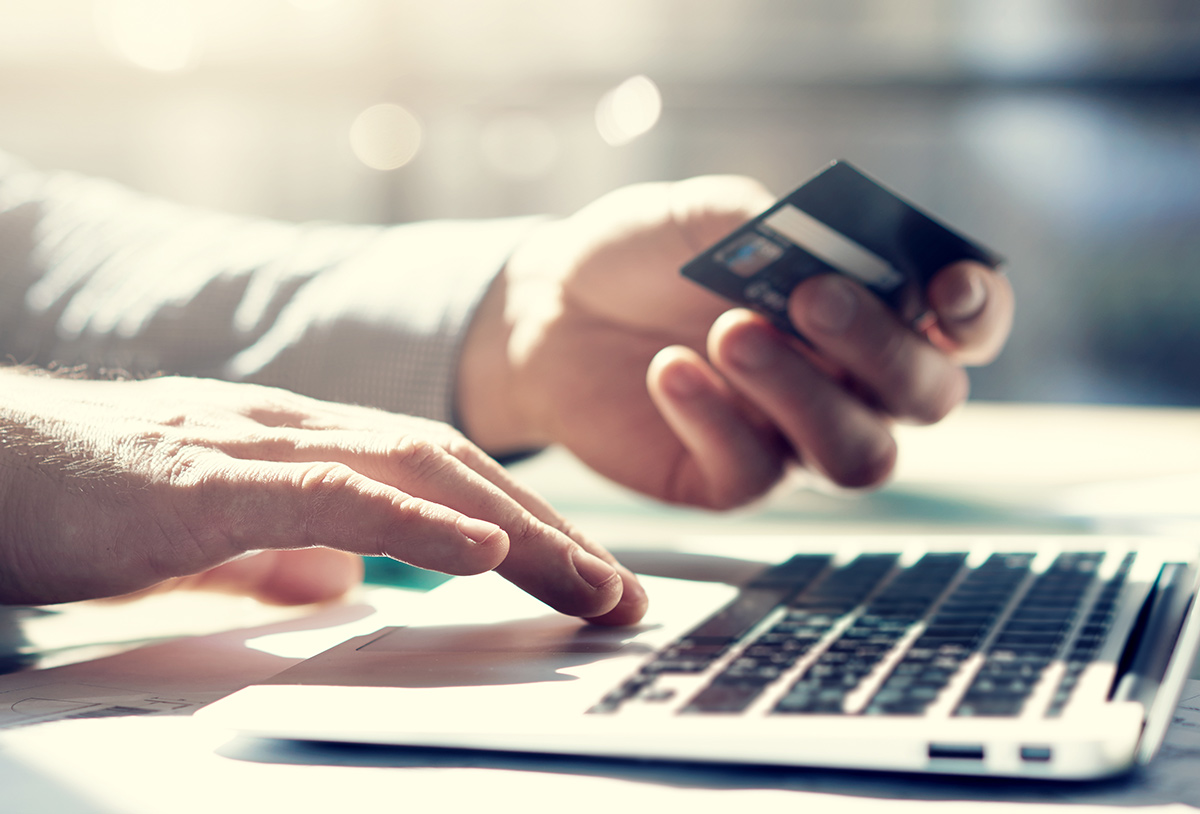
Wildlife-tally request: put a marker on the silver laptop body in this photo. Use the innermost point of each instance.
(1023, 656)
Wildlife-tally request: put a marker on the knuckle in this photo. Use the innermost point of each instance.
(422, 457)
(526, 531)
(464, 450)
(326, 492)
(167, 458)
(914, 384)
(325, 480)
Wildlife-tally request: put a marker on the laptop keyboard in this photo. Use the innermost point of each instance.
(873, 637)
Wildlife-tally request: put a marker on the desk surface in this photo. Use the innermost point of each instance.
(105, 726)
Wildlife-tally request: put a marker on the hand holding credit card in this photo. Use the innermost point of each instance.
(840, 221)
(657, 384)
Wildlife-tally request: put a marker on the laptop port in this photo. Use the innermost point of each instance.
(956, 751)
(1036, 754)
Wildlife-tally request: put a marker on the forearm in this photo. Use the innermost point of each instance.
(92, 273)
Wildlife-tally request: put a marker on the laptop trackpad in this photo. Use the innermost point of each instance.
(552, 648)
(552, 633)
(524, 642)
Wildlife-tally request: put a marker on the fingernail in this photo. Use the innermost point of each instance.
(683, 382)
(593, 570)
(751, 348)
(476, 530)
(831, 304)
(965, 300)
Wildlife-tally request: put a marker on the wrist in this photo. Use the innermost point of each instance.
(24, 445)
(490, 403)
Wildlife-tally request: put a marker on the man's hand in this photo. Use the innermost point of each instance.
(110, 487)
(591, 338)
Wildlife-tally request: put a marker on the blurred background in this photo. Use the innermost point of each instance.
(1063, 133)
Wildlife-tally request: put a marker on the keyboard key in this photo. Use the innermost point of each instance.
(796, 574)
(734, 620)
(725, 696)
(1024, 646)
(1090, 637)
(873, 635)
(951, 636)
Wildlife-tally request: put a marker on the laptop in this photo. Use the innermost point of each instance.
(1017, 656)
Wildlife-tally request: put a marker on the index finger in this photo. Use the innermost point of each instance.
(545, 556)
(548, 557)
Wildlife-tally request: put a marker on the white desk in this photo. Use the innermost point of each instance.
(988, 468)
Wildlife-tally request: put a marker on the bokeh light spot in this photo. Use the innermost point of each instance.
(629, 110)
(157, 35)
(385, 136)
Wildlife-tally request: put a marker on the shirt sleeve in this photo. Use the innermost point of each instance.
(93, 273)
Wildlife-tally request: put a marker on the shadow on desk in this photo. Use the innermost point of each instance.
(1143, 787)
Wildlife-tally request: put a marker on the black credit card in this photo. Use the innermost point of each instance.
(839, 221)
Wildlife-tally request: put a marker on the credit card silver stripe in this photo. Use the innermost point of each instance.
(833, 247)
